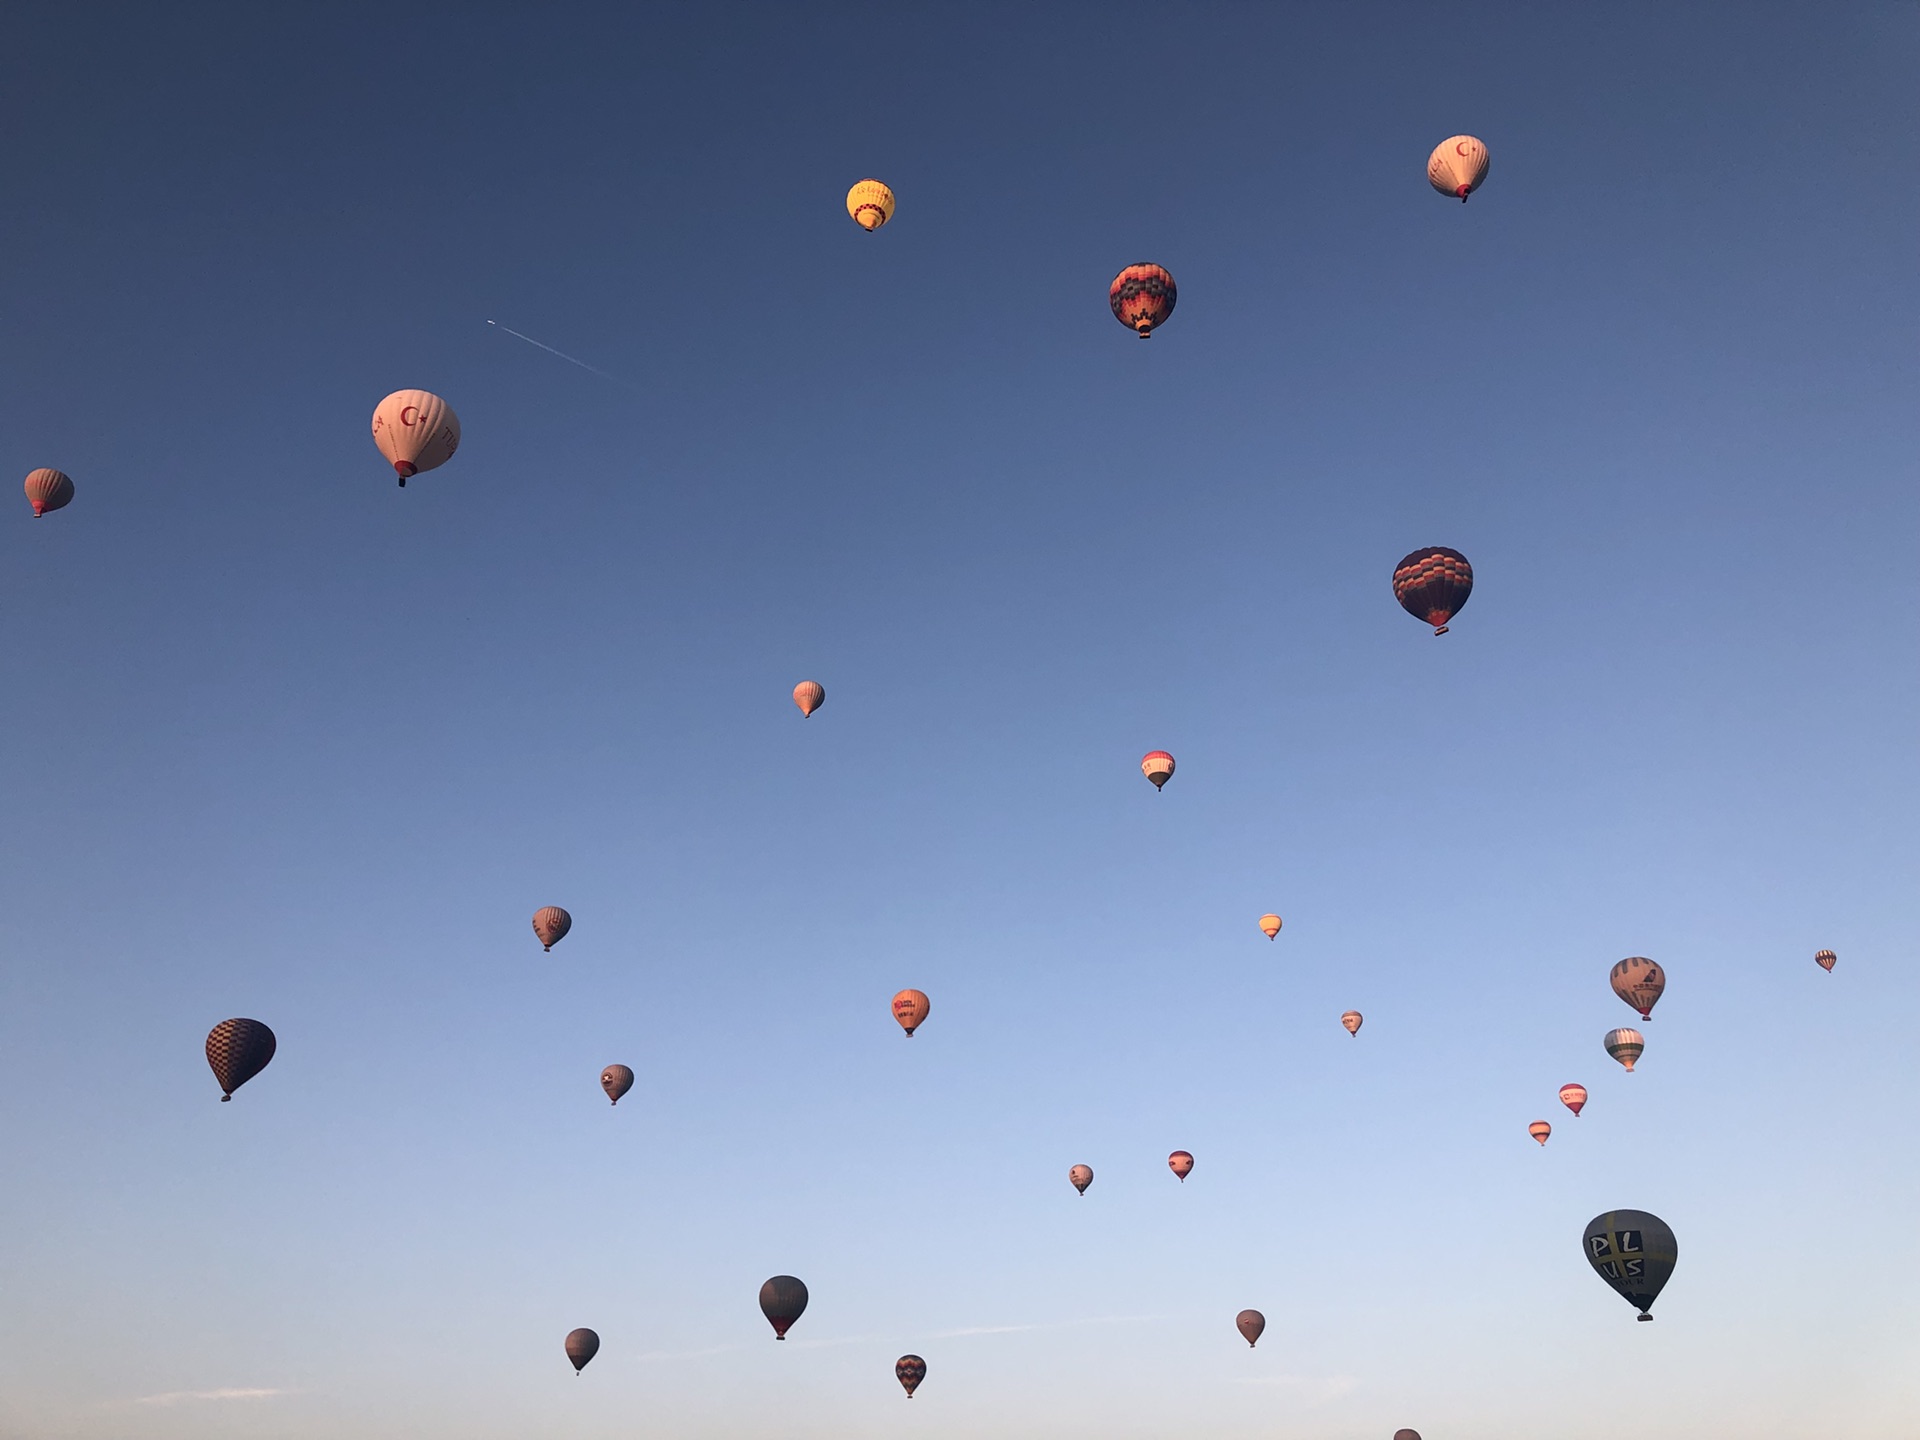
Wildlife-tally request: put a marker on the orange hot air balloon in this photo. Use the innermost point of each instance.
(1081, 1176)
(1826, 960)
(1540, 1130)
(1270, 925)
(1433, 585)
(1250, 1323)
(1181, 1163)
(550, 925)
(1142, 297)
(809, 695)
(1574, 1097)
(1352, 1021)
(1640, 982)
(1626, 1046)
(910, 1009)
(1457, 166)
(416, 431)
(1157, 766)
(48, 490)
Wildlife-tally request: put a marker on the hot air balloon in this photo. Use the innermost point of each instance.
(910, 1009)
(1540, 1130)
(1157, 766)
(1573, 1097)
(1433, 585)
(1639, 982)
(1625, 1046)
(1352, 1021)
(1825, 960)
(582, 1346)
(416, 431)
(783, 1300)
(238, 1050)
(809, 695)
(1270, 925)
(1457, 166)
(1081, 1176)
(1634, 1252)
(1406, 1435)
(48, 490)
(1142, 297)
(1181, 1163)
(616, 1080)
(551, 924)
(1250, 1323)
(870, 204)
(910, 1370)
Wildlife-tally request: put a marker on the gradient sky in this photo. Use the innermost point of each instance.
(286, 741)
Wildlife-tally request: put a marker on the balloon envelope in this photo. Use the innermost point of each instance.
(551, 924)
(783, 1300)
(1457, 166)
(1634, 1252)
(870, 203)
(1626, 1046)
(616, 1080)
(1433, 585)
(582, 1346)
(910, 1370)
(416, 431)
(1352, 1021)
(1540, 1130)
(1573, 1097)
(1406, 1435)
(1157, 766)
(1250, 1323)
(1270, 925)
(1081, 1176)
(1142, 297)
(809, 695)
(238, 1050)
(910, 1008)
(1638, 981)
(1181, 1163)
(48, 490)
(1825, 960)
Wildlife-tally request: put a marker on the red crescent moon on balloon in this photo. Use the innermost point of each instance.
(1461, 148)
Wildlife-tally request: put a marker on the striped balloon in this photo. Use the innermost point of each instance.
(48, 490)
(550, 925)
(1825, 960)
(1574, 1097)
(1352, 1021)
(1640, 982)
(1181, 1163)
(1080, 1176)
(1157, 766)
(783, 1300)
(910, 1008)
(1433, 585)
(1250, 1323)
(582, 1346)
(910, 1370)
(1626, 1046)
(1634, 1252)
(416, 431)
(1142, 297)
(1457, 166)
(1270, 925)
(238, 1050)
(809, 695)
(1540, 1130)
(616, 1080)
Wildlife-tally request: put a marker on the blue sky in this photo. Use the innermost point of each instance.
(288, 742)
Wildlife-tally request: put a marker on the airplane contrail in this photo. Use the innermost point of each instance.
(562, 354)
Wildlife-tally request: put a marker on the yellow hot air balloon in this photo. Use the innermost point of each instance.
(870, 203)
(1270, 924)
(415, 431)
(1540, 1130)
(1457, 166)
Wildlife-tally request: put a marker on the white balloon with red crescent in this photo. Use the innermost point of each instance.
(416, 430)
(1458, 166)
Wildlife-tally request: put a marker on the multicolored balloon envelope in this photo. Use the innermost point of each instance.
(1825, 959)
(1352, 1020)
(238, 1050)
(910, 1370)
(1250, 1323)
(910, 1008)
(1640, 982)
(809, 695)
(1574, 1097)
(1626, 1046)
(1157, 766)
(1634, 1252)
(1457, 166)
(582, 1345)
(1433, 585)
(416, 431)
(783, 1300)
(1142, 297)
(1181, 1163)
(48, 490)
(1270, 925)
(1540, 1130)
(616, 1080)
(870, 203)
(550, 925)
(1080, 1176)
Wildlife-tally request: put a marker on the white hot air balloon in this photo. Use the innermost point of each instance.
(1457, 166)
(416, 431)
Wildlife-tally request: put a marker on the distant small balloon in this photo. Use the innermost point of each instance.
(1540, 1130)
(582, 1346)
(870, 203)
(616, 1080)
(1574, 1097)
(1081, 1176)
(1250, 1323)
(550, 925)
(1406, 1435)
(910, 1008)
(1181, 1163)
(1640, 982)
(1457, 166)
(910, 1370)
(783, 1300)
(1626, 1046)
(1270, 925)
(48, 490)
(1142, 297)
(809, 695)
(1352, 1021)
(1825, 960)
(1157, 766)
(1433, 585)
(238, 1050)
(1634, 1252)
(416, 431)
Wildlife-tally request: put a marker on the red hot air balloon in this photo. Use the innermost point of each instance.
(1142, 297)
(1540, 1130)
(1406, 1435)
(1433, 585)
(1574, 1097)
(910, 1370)
(550, 925)
(238, 1050)
(1640, 982)
(1157, 766)
(1826, 960)
(783, 1300)
(1080, 1176)
(48, 490)
(1250, 1323)
(910, 1008)
(616, 1080)
(1181, 1163)
(809, 695)
(582, 1346)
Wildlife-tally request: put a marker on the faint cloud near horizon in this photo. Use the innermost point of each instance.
(187, 1397)
(1316, 1389)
